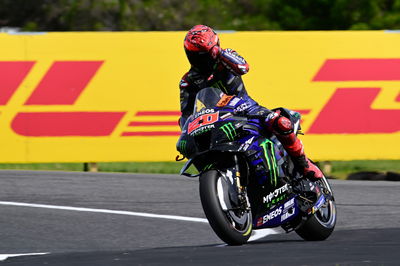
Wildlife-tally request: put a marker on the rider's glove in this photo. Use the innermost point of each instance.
(233, 61)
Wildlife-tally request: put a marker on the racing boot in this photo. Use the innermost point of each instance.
(295, 149)
(283, 130)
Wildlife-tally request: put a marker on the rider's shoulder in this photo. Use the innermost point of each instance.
(191, 77)
(184, 80)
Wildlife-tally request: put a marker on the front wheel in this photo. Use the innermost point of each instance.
(322, 223)
(226, 215)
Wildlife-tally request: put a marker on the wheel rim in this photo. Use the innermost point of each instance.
(239, 219)
(326, 215)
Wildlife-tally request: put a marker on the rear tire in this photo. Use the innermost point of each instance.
(321, 224)
(222, 221)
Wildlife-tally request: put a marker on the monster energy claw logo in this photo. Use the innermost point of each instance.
(268, 146)
(220, 85)
(208, 167)
(182, 146)
(229, 131)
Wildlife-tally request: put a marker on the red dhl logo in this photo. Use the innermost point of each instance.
(174, 115)
(347, 111)
(63, 83)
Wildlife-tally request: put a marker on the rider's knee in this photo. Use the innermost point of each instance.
(279, 124)
(283, 125)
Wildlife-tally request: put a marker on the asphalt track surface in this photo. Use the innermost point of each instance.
(111, 227)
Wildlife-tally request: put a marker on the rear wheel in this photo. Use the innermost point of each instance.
(322, 223)
(226, 214)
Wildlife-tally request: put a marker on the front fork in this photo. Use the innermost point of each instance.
(237, 174)
(242, 194)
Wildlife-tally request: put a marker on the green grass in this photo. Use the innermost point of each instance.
(340, 169)
(131, 167)
(43, 166)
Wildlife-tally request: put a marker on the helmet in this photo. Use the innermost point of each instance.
(198, 42)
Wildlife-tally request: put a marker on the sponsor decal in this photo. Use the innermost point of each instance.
(229, 131)
(242, 107)
(273, 214)
(357, 102)
(135, 127)
(287, 215)
(289, 204)
(56, 124)
(334, 118)
(246, 145)
(279, 214)
(260, 221)
(268, 148)
(199, 105)
(203, 121)
(208, 167)
(202, 130)
(220, 85)
(62, 85)
(182, 146)
(234, 101)
(183, 83)
(12, 75)
(224, 100)
(204, 111)
(275, 194)
(288, 210)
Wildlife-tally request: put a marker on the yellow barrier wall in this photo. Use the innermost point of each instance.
(75, 97)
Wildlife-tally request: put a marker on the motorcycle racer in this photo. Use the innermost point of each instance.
(212, 66)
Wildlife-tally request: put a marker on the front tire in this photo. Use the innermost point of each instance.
(232, 226)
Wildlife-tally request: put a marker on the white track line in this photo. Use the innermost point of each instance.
(3, 257)
(257, 234)
(79, 209)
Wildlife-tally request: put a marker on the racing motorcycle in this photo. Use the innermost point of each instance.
(247, 179)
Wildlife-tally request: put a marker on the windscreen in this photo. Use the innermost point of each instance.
(207, 98)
